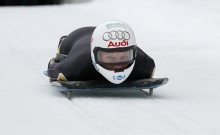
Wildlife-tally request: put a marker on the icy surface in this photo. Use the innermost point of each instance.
(182, 37)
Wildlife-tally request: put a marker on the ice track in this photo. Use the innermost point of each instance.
(182, 37)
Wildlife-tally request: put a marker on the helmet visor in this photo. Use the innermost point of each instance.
(115, 57)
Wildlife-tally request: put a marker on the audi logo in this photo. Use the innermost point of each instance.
(121, 35)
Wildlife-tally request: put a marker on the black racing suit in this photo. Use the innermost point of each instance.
(77, 66)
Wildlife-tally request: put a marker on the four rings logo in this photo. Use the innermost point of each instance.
(121, 35)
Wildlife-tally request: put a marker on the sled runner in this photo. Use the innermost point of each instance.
(66, 87)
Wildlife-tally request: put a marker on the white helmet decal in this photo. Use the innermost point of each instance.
(110, 39)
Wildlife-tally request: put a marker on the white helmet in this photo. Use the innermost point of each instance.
(113, 45)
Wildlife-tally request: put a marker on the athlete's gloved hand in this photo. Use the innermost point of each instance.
(52, 61)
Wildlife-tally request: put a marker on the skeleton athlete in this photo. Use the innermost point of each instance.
(108, 51)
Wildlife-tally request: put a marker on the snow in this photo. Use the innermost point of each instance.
(181, 36)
